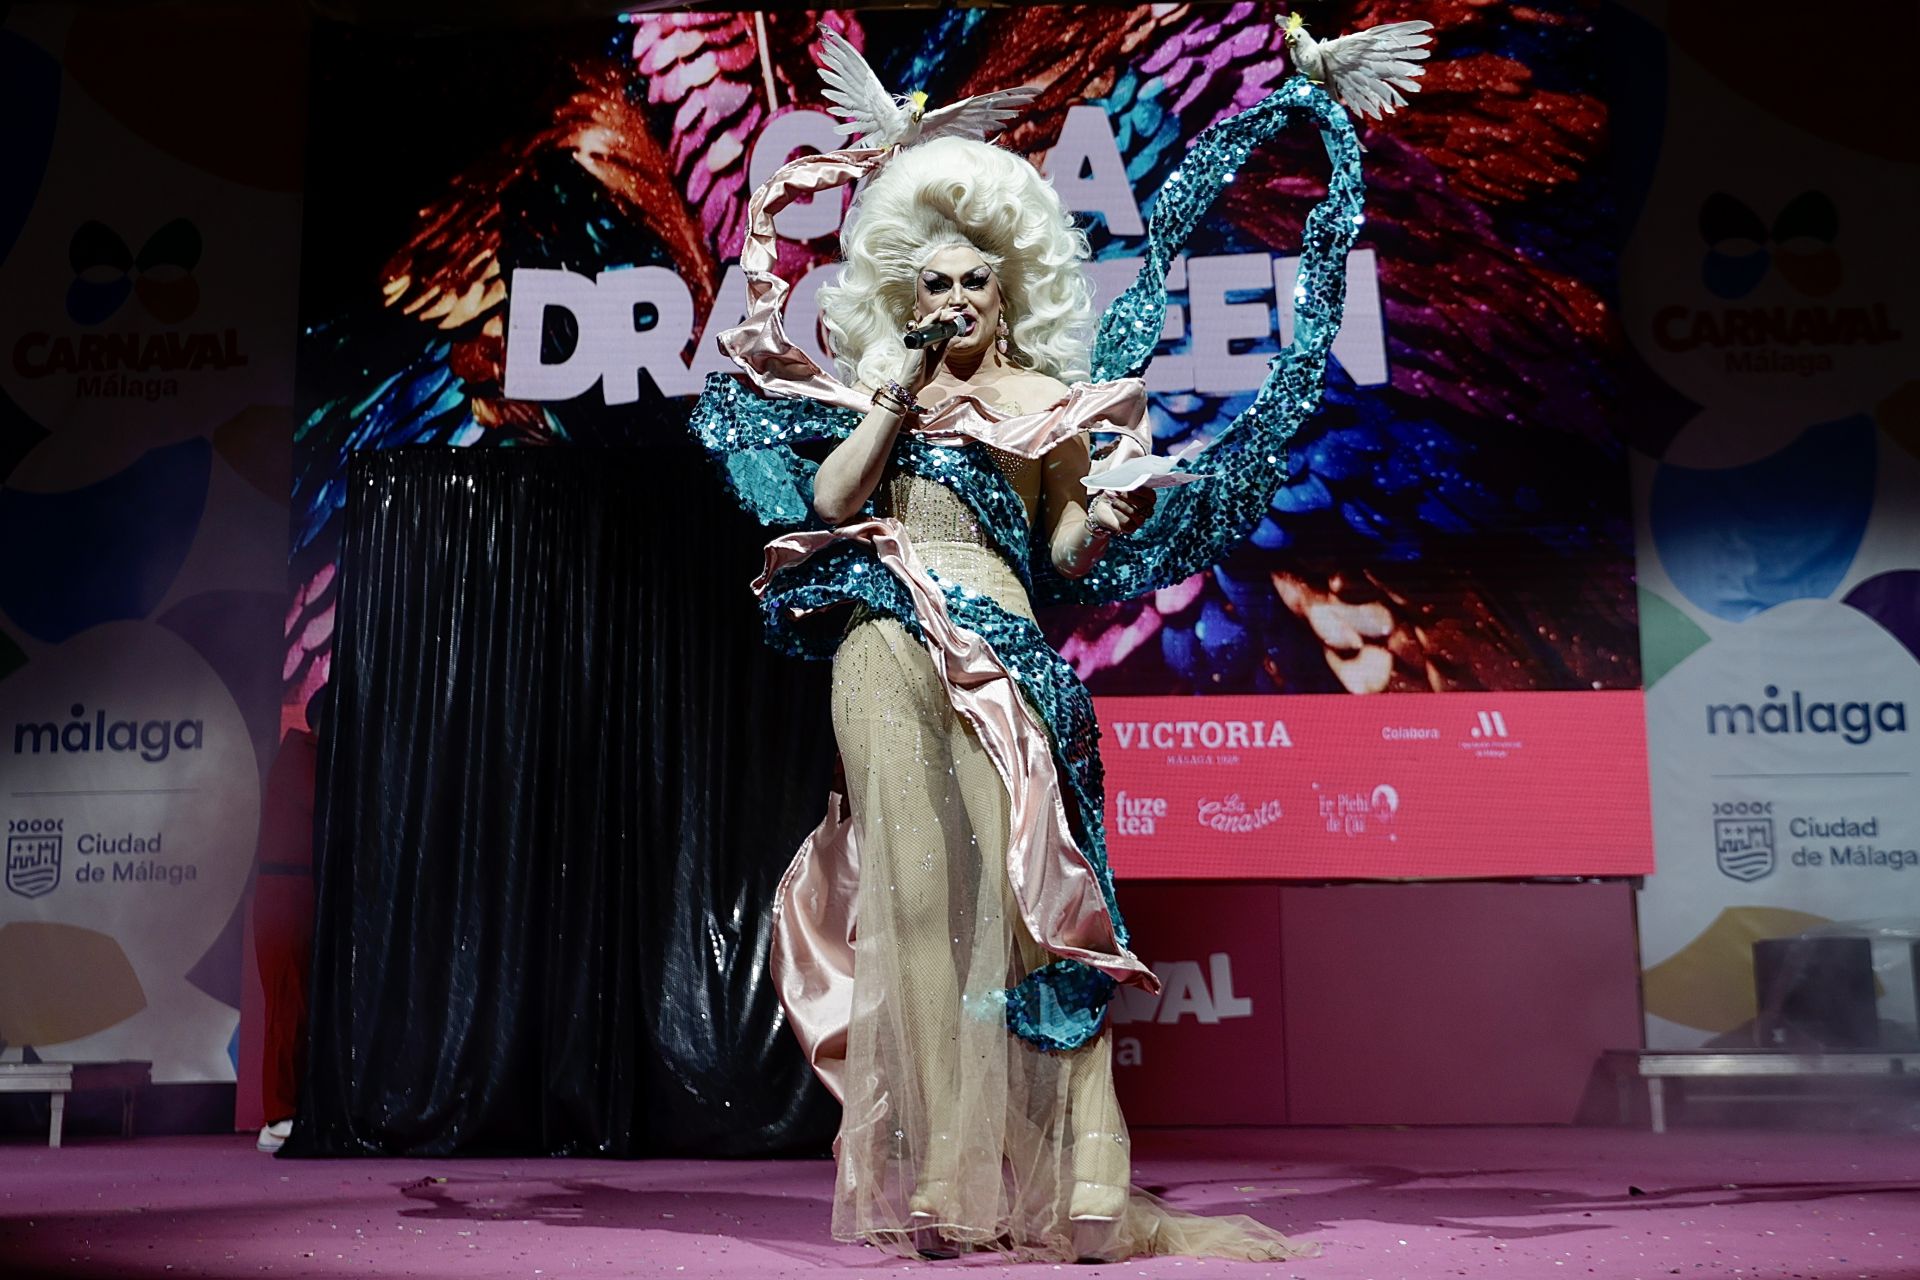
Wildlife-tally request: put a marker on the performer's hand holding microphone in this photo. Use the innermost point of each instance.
(927, 341)
(936, 331)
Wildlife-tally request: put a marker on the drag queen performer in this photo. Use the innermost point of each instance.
(947, 940)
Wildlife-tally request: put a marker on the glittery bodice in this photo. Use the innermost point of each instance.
(975, 568)
(930, 511)
(948, 534)
(933, 512)
(1025, 475)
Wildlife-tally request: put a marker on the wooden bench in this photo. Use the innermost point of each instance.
(58, 1079)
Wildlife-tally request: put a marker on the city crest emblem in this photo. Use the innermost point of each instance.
(33, 864)
(1744, 847)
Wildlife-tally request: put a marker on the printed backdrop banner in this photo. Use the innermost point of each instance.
(1769, 289)
(1330, 787)
(542, 247)
(148, 227)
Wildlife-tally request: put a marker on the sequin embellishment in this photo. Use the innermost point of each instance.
(1063, 1004)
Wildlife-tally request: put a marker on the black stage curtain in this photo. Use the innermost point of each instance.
(560, 777)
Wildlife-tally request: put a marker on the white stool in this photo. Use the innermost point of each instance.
(58, 1079)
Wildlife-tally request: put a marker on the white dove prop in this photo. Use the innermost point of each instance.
(880, 119)
(1154, 471)
(1367, 70)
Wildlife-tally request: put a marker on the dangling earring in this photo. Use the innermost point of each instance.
(1001, 334)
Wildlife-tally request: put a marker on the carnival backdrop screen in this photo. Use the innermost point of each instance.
(529, 237)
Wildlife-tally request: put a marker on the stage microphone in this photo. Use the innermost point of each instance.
(939, 331)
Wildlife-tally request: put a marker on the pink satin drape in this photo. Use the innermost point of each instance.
(1056, 890)
(1058, 895)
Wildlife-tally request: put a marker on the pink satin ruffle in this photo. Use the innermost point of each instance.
(1057, 893)
(760, 344)
(813, 937)
(1119, 407)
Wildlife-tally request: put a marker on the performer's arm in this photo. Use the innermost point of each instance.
(852, 471)
(1078, 529)
(849, 475)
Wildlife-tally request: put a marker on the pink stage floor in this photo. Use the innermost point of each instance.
(1383, 1204)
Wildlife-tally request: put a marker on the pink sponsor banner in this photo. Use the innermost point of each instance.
(1393, 786)
(1218, 1017)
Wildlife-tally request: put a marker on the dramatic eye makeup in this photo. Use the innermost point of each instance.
(974, 280)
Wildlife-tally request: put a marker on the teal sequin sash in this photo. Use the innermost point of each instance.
(754, 438)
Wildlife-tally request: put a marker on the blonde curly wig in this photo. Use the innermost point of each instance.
(953, 191)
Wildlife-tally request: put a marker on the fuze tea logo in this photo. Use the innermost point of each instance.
(1853, 722)
(130, 363)
(1742, 251)
(1137, 815)
(152, 740)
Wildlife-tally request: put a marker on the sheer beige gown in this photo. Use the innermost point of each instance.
(900, 923)
(958, 1134)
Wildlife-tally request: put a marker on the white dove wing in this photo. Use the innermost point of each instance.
(978, 117)
(1368, 69)
(856, 93)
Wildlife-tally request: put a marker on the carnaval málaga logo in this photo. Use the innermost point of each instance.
(138, 363)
